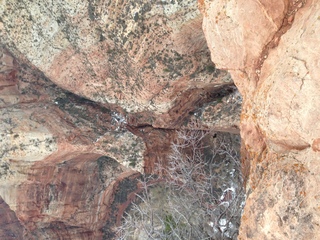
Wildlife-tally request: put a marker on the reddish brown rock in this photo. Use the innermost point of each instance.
(149, 59)
(272, 55)
(52, 142)
(140, 55)
(57, 159)
(10, 226)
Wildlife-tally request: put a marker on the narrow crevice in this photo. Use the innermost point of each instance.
(287, 22)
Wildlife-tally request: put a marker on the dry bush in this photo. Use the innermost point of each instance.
(201, 196)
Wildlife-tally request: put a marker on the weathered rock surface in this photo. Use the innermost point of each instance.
(284, 203)
(94, 94)
(60, 159)
(39, 119)
(10, 226)
(140, 55)
(60, 153)
(271, 50)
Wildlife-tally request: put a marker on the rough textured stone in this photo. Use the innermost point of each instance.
(285, 202)
(39, 119)
(10, 227)
(230, 23)
(291, 71)
(222, 114)
(151, 60)
(58, 155)
(94, 80)
(52, 142)
(272, 55)
(140, 55)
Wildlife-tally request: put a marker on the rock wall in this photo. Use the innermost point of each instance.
(134, 72)
(56, 178)
(139, 55)
(91, 93)
(271, 51)
(11, 228)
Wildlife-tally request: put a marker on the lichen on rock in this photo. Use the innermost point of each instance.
(137, 54)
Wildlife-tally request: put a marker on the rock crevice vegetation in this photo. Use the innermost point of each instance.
(196, 194)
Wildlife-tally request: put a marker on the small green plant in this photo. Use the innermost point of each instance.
(132, 162)
(169, 224)
(211, 68)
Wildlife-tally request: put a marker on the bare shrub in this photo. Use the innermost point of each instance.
(199, 195)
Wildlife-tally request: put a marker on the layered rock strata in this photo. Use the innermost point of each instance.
(88, 100)
(55, 182)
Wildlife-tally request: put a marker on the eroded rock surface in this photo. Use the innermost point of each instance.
(91, 83)
(53, 179)
(10, 225)
(60, 158)
(284, 203)
(271, 50)
(140, 55)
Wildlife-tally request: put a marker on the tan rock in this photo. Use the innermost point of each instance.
(285, 203)
(272, 55)
(288, 93)
(231, 24)
(316, 145)
(139, 55)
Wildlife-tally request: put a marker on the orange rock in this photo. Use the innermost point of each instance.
(316, 145)
(271, 50)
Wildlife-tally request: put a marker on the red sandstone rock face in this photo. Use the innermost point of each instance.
(140, 55)
(146, 58)
(149, 59)
(10, 226)
(135, 54)
(230, 23)
(55, 182)
(271, 50)
(73, 195)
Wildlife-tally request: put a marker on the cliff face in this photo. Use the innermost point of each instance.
(271, 50)
(91, 93)
(139, 55)
(55, 180)
(142, 56)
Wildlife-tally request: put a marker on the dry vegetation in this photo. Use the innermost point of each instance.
(198, 196)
